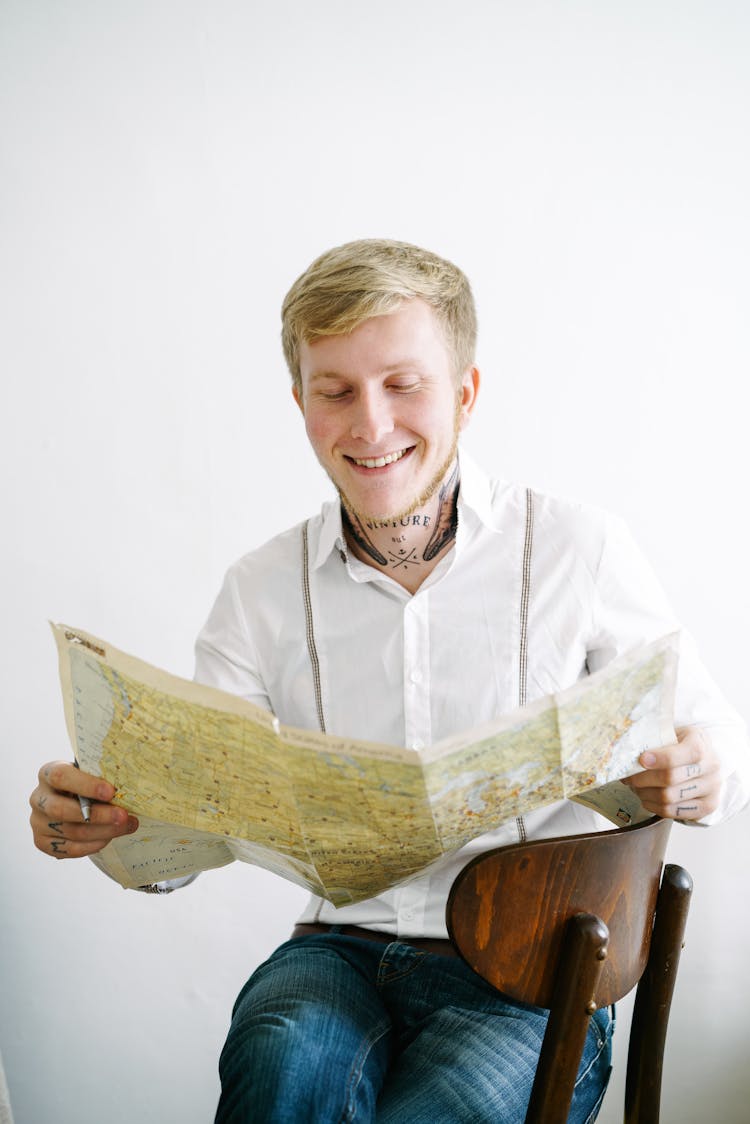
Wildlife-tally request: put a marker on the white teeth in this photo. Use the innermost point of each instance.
(379, 462)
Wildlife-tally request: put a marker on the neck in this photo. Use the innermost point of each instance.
(407, 547)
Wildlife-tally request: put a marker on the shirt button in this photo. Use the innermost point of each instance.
(417, 744)
(415, 676)
(408, 914)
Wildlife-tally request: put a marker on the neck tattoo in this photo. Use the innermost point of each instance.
(355, 530)
(444, 526)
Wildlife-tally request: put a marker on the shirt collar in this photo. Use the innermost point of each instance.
(476, 494)
(474, 504)
(330, 535)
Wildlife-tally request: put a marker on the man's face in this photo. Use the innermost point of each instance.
(383, 409)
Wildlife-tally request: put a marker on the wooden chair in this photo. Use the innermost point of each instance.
(572, 924)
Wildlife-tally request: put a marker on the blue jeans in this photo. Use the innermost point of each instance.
(335, 1028)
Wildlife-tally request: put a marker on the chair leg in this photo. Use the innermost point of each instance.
(653, 999)
(580, 966)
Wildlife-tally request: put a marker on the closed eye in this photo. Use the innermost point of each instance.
(332, 395)
(405, 387)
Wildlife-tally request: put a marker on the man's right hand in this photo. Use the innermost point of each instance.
(56, 817)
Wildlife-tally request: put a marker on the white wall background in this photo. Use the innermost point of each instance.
(167, 169)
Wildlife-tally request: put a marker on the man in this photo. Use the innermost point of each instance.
(424, 600)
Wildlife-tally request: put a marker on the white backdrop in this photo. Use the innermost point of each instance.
(167, 169)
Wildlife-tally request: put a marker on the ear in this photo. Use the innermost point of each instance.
(297, 396)
(468, 390)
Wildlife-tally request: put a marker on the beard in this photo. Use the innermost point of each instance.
(419, 501)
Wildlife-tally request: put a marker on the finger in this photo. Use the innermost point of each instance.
(671, 804)
(683, 777)
(71, 840)
(693, 747)
(65, 777)
(71, 849)
(679, 755)
(48, 803)
(85, 832)
(669, 776)
(689, 759)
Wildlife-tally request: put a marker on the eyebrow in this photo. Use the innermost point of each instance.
(406, 366)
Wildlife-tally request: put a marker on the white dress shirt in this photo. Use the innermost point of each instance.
(413, 669)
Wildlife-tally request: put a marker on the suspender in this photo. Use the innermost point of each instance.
(523, 648)
(523, 624)
(310, 631)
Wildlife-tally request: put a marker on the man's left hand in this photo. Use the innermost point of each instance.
(682, 781)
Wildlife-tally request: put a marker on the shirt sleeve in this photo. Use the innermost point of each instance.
(631, 608)
(225, 655)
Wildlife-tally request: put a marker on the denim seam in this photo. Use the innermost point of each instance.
(599, 1100)
(357, 1068)
(602, 1043)
(399, 973)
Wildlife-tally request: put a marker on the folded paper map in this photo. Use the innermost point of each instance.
(214, 778)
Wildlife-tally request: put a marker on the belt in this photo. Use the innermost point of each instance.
(425, 944)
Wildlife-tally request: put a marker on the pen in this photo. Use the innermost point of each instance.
(84, 802)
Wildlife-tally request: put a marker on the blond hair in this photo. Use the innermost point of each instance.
(372, 277)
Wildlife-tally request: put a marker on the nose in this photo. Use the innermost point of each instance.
(372, 419)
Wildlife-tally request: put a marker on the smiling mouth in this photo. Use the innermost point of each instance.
(379, 462)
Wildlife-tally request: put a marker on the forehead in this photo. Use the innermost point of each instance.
(410, 337)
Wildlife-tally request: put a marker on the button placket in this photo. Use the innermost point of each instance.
(410, 906)
(416, 683)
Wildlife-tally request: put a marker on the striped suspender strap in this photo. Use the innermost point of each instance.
(525, 593)
(523, 647)
(310, 632)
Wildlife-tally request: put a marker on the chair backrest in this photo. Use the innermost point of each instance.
(508, 908)
(573, 924)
